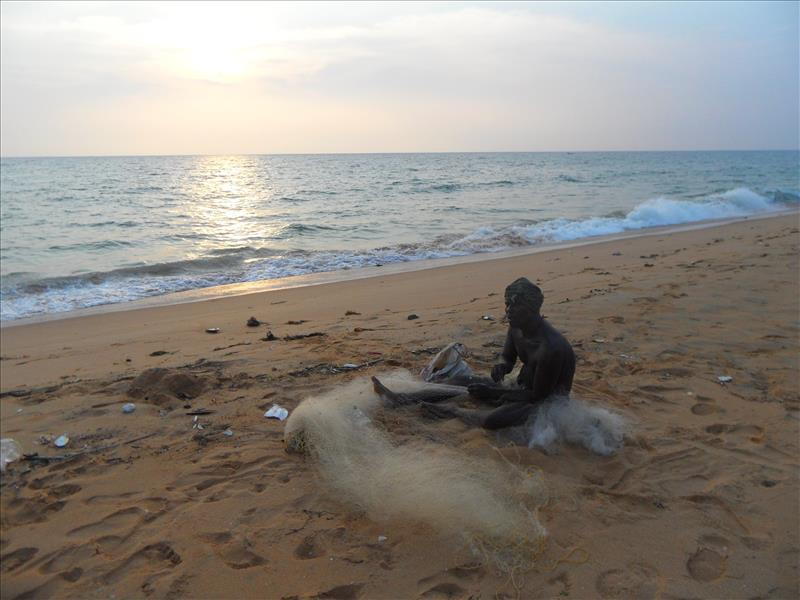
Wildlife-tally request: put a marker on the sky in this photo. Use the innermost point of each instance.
(117, 78)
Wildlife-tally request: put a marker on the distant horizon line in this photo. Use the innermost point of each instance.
(2, 157)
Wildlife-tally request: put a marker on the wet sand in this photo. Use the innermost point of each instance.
(701, 501)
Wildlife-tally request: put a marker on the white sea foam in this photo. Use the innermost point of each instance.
(657, 212)
(23, 297)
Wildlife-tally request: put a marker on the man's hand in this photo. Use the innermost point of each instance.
(481, 391)
(500, 370)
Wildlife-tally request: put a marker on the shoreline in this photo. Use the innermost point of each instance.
(344, 275)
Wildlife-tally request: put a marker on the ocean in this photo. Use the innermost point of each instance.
(82, 232)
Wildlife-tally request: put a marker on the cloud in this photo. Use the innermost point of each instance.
(379, 77)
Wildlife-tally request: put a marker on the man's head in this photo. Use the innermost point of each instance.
(523, 301)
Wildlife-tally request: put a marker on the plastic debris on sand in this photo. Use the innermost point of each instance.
(277, 412)
(10, 450)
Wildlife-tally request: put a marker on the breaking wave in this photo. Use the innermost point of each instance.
(24, 295)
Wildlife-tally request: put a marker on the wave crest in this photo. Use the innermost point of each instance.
(24, 295)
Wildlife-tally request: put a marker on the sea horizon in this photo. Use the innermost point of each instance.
(392, 152)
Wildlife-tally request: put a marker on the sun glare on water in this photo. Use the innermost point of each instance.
(228, 199)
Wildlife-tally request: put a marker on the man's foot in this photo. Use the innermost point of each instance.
(438, 411)
(391, 398)
(484, 392)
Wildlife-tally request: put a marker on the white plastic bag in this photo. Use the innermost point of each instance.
(10, 450)
(277, 412)
(448, 363)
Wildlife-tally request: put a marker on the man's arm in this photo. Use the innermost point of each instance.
(546, 376)
(509, 356)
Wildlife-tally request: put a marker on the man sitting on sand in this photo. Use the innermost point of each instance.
(548, 366)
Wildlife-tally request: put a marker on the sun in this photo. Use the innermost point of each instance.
(209, 47)
(217, 64)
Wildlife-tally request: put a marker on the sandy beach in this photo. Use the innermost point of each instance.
(701, 502)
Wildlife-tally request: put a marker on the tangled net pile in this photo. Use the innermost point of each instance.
(491, 503)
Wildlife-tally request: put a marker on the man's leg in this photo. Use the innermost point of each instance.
(488, 393)
(428, 392)
(515, 410)
(509, 415)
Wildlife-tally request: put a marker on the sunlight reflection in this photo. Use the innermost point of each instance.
(227, 197)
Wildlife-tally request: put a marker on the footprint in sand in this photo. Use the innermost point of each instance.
(703, 408)
(637, 580)
(444, 588)
(154, 505)
(234, 552)
(72, 575)
(318, 543)
(22, 511)
(14, 560)
(613, 319)
(444, 591)
(108, 543)
(706, 565)
(309, 548)
(153, 556)
(115, 521)
(562, 580)
(719, 512)
(231, 475)
(237, 555)
(342, 592)
(66, 559)
(108, 498)
(65, 490)
(753, 432)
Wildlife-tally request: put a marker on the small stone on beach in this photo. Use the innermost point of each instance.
(412, 316)
(212, 330)
(253, 322)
